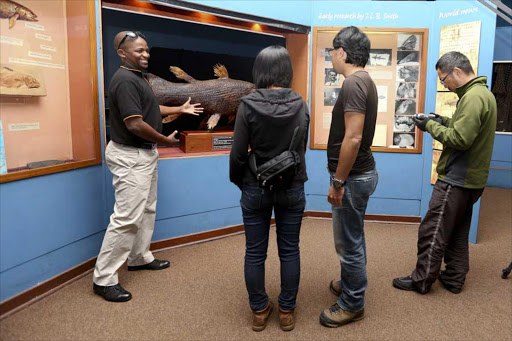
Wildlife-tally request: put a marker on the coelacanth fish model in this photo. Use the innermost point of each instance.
(218, 97)
(14, 11)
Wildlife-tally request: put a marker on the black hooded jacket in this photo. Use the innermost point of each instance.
(265, 122)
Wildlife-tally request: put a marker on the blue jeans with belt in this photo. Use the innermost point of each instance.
(349, 240)
(257, 205)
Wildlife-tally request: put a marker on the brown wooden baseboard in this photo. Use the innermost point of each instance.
(370, 217)
(45, 287)
(41, 290)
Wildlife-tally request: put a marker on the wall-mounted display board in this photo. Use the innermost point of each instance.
(48, 87)
(397, 65)
(464, 38)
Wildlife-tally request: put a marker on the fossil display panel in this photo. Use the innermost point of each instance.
(48, 87)
(397, 65)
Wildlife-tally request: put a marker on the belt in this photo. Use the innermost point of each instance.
(147, 146)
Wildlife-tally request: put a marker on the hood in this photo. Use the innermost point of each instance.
(278, 105)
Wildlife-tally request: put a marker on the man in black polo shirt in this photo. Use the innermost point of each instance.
(131, 156)
(353, 173)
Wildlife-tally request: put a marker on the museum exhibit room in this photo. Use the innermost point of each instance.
(256, 170)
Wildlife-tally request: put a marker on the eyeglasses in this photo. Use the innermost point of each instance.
(132, 35)
(444, 78)
(332, 49)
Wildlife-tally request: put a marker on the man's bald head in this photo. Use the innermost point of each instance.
(123, 35)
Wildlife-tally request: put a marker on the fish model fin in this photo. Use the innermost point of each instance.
(12, 20)
(179, 73)
(220, 71)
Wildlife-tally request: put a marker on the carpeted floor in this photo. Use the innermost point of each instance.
(202, 295)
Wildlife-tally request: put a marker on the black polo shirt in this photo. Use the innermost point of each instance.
(130, 95)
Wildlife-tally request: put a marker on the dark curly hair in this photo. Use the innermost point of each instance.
(355, 43)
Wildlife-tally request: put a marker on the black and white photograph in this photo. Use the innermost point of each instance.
(407, 73)
(406, 90)
(403, 140)
(331, 77)
(328, 58)
(408, 58)
(408, 42)
(380, 57)
(403, 124)
(330, 96)
(405, 107)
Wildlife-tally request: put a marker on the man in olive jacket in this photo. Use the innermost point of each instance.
(463, 167)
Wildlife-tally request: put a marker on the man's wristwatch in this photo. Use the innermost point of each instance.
(337, 183)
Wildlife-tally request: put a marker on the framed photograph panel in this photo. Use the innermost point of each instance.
(397, 65)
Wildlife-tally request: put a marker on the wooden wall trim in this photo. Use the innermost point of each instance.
(42, 290)
(384, 218)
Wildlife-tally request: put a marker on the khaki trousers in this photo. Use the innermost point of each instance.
(129, 233)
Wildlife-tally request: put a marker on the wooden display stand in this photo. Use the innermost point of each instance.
(202, 141)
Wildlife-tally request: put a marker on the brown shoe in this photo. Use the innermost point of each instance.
(286, 319)
(336, 317)
(335, 287)
(259, 318)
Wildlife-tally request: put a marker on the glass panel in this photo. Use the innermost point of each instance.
(48, 87)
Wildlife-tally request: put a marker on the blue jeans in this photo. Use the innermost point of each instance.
(257, 205)
(348, 227)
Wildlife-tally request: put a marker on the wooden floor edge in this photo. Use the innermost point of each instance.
(33, 294)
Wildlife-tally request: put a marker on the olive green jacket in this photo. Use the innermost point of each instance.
(467, 137)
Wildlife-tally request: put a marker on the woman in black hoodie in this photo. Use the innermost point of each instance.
(265, 122)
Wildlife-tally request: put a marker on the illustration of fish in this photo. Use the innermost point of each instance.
(409, 43)
(217, 96)
(411, 57)
(13, 79)
(14, 11)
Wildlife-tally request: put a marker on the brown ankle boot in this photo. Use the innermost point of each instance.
(259, 318)
(286, 319)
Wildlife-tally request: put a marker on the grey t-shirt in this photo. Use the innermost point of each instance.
(359, 94)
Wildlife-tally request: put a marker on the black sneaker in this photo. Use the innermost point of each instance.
(404, 283)
(112, 293)
(449, 287)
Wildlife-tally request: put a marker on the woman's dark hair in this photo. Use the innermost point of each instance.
(272, 67)
(454, 59)
(355, 43)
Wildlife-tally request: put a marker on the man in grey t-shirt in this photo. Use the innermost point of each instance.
(351, 163)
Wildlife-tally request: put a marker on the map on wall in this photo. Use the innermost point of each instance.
(464, 38)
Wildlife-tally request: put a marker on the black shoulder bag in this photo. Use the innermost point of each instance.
(279, 171)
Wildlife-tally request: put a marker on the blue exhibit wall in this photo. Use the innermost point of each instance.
(52, 223)
(49, 224)
(399, 191)
(404, 179)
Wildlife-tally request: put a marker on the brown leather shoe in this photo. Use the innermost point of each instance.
(286, 319)
(259, 318)
(336, 317)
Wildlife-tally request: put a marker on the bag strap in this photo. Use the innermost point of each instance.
(293, 143)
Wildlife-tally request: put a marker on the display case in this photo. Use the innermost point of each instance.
(49, 118)
(397, 65)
